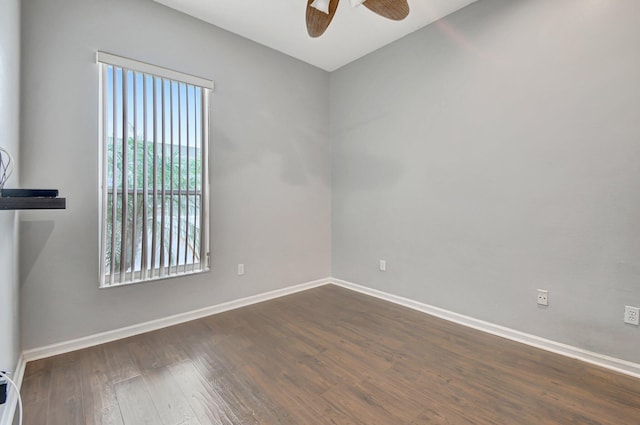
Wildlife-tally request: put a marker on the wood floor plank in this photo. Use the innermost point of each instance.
(35, 391)
(99, 397)
(120, 364)
(247, 400)
(324, 356)
(294, 402)
(37, 384)
(203, 396)
(135, 402)
(143, 354)
(173, 349)
(169, 399)
(65, 396)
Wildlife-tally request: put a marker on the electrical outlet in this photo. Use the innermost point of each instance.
(240, 269)
(543, 297)
(631, 315)
(383, 266)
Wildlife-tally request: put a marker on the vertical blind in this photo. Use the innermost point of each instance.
(154, 172)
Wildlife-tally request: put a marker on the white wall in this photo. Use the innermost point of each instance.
(494, 153)
(9, 128)
(270, 165)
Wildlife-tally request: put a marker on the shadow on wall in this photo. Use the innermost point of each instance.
(363, 171)
(244, 137)
(303, 154)
(37, 233)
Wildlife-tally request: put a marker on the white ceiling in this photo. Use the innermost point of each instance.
(280, 24)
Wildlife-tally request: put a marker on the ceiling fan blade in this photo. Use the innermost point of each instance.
(317, 21)
(396, 10)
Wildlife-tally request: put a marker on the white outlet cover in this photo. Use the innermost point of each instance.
(632, 315)
(543, 297)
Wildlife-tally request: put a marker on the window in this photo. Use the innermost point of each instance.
(154, 126)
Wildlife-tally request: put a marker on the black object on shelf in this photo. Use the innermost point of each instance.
(29, 193)
(31, 199)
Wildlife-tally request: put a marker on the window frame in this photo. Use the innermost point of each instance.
(162, 271)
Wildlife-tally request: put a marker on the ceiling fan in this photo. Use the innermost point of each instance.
(320, 12)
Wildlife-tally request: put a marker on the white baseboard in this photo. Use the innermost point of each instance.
(12, 400)
(108, 336)
(612, 363)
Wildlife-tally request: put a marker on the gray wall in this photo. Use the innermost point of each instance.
(494, 153)
(270, 165)
(9, 130)
(483, 157)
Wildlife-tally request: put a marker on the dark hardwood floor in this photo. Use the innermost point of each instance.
(324, 356)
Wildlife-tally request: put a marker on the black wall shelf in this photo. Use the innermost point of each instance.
(32, 203)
